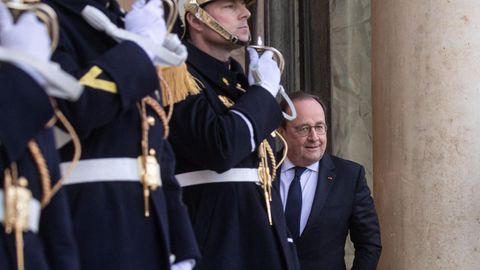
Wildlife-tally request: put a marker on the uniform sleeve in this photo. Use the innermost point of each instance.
(262, 110)
(364, 227)
(183, 241)
(218, 140)
(113, 82)
(24, 110)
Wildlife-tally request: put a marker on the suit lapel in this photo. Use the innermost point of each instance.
(326, 178)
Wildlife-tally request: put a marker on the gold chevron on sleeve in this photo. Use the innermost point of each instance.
(90, 80)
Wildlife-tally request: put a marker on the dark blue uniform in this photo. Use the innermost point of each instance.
(24, 111)
(111, 229)
(229, 218)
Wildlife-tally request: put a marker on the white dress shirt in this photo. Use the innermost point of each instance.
(308, 182)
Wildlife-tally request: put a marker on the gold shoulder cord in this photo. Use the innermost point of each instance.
(148, 164)
(48, 190)
(166, 95)
(264, 153)
(18, 196)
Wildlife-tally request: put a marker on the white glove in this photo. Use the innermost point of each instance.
(177, 52)
(27, 35)
(264, 71)
(146, 19)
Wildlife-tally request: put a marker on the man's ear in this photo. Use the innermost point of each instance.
(282, 131)
(193, 22)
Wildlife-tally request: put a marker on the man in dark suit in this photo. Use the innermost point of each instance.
(324, 196)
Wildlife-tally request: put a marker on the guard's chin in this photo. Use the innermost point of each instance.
(245, 38)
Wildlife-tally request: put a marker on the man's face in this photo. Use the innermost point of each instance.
(304, 150)
(231, 14)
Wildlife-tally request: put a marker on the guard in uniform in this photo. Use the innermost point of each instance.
(124, 198)
(35, 228)
(219, 138)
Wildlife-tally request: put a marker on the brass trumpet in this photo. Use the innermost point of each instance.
(43, 12)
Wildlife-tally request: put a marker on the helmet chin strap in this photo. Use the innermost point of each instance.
(213, 24)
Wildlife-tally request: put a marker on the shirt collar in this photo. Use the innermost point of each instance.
(287, 165)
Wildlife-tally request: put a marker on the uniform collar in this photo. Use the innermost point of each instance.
(227, 76)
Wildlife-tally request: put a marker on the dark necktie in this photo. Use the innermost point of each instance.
(293, 209)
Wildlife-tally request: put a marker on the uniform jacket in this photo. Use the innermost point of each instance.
(342, 204)
(111, 229)
(230, 220)
(24, 111)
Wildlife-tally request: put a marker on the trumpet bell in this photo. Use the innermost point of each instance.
(43, 12)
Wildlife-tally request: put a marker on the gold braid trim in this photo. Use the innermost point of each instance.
(47, 190)
(177, 84)
(166, 94)
(144, 145)
(144, 126)
(266, 156)
(285, 148)
(42, 168)
(271, 155)
(76, 145)
(265, 178)
(160, 112)
(150, 168)
(51, 122)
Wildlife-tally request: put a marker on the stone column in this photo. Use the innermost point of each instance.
(426, 132)
(351, 124)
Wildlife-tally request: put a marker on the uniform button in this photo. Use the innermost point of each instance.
(23, 182)
(151, 120)
(225, 81)
(239, 87)
(172, 258)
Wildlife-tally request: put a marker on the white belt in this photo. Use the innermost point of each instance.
(34, 213)
(102, 170)
(209, 177)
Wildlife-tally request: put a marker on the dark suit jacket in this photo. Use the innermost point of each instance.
(342, 203)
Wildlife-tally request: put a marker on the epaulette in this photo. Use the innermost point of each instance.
(177, 84)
